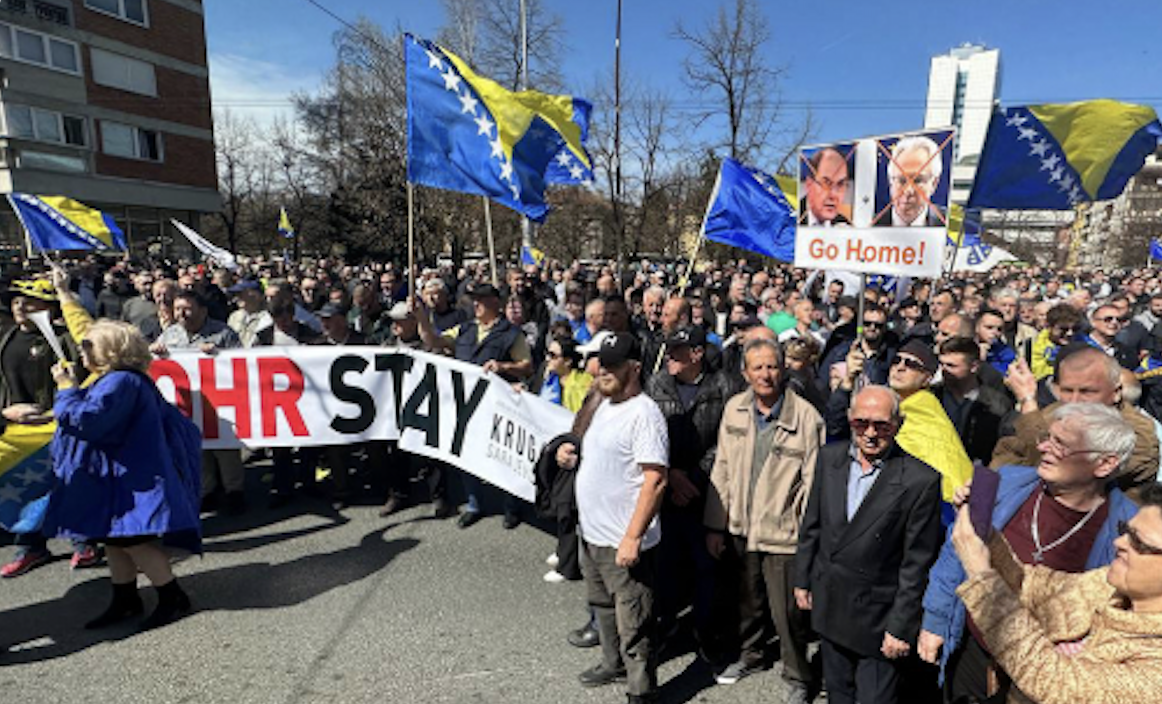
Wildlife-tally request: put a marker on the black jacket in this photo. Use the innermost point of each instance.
(868, 577)
(982, 425)
(556, 497)
(694, 431)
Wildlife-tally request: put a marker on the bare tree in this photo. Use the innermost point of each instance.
(461, 33)
(499, 47)
(727, 66)
(238, 159)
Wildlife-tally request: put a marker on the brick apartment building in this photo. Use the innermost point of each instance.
(108, 102)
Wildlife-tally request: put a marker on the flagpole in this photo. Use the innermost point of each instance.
(411, 244)
(491, 242)
(682, 286)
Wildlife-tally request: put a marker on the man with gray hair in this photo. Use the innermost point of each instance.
(1062, 514)
(1084, 375)
(869, 536)
(913, 175)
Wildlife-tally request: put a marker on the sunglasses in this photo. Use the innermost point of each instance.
(1111, 319)
(553, 355)
(880, 428)
(913, 364)
(1136, 542)
(873, 324)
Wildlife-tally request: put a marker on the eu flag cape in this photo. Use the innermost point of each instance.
(466, 133)
(59, 223)
(749, 209)
(1057, 156)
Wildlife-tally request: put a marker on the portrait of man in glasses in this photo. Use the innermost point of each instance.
(914, 167)
(826, 178)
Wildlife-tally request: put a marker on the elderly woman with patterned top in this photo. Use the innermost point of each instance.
(1064, 638)
(119, 480)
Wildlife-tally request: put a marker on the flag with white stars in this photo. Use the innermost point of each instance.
(467, 133)
(57, 223)
(1058, 156)
(749, 209)
(25, 475)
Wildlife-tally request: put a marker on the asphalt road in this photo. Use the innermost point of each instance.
(306, 604)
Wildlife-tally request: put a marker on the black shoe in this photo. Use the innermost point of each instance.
(235, 504)
(126, 603)
(511, 521)
(641, 698)
(172, 604)
(600, 676)
(585, 637)
(209, 503)
(278, 499)
(442, 509)
(468, 519)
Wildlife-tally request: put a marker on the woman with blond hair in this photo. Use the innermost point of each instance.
(117, 478)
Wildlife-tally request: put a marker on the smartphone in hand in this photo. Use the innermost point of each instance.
(983, 499)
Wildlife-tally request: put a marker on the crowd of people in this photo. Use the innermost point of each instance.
(748, 468)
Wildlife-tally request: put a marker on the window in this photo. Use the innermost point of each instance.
(55, 162)
(40, 49)
(131, 142)
(128, 10)
(45, 125)
(117, 71)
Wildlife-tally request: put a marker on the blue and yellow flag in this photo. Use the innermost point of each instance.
(930, 437)
(531, 256)
(284, 226)
(25, 476)
(1057, 156)
(466, 133)
(59, 223)
(751, 209)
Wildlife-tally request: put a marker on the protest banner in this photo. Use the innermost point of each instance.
(312, 396)
(877, 205)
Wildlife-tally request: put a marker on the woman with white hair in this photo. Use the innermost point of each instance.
(118, 480)
(1062, 514)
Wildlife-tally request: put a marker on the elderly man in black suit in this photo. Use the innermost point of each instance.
(869, 537)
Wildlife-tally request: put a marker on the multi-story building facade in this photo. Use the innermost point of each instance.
(108, 102)
(963, 86)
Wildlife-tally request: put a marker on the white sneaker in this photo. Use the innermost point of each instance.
(554, 577)
(553, 560)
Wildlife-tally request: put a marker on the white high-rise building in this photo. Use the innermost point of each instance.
(963, 86)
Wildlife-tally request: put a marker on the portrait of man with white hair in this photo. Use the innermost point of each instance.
(914, 167)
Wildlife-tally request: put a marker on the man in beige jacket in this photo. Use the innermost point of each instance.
(760, 483)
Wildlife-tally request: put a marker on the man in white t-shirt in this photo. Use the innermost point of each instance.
(620, 485)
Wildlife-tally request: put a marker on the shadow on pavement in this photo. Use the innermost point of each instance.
(53, 629)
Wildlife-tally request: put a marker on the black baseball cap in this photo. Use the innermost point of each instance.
(484, 291)
(689, 336)
(619, 348)
(922, 352)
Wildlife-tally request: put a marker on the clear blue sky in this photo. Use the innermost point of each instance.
(862, 65)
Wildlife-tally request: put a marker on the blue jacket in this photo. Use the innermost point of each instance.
(944, 612)
(115, 474)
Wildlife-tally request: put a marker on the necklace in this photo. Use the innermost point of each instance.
(1039, 553)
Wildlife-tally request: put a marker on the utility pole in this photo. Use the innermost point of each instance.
(618, 215)
(527, 231)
